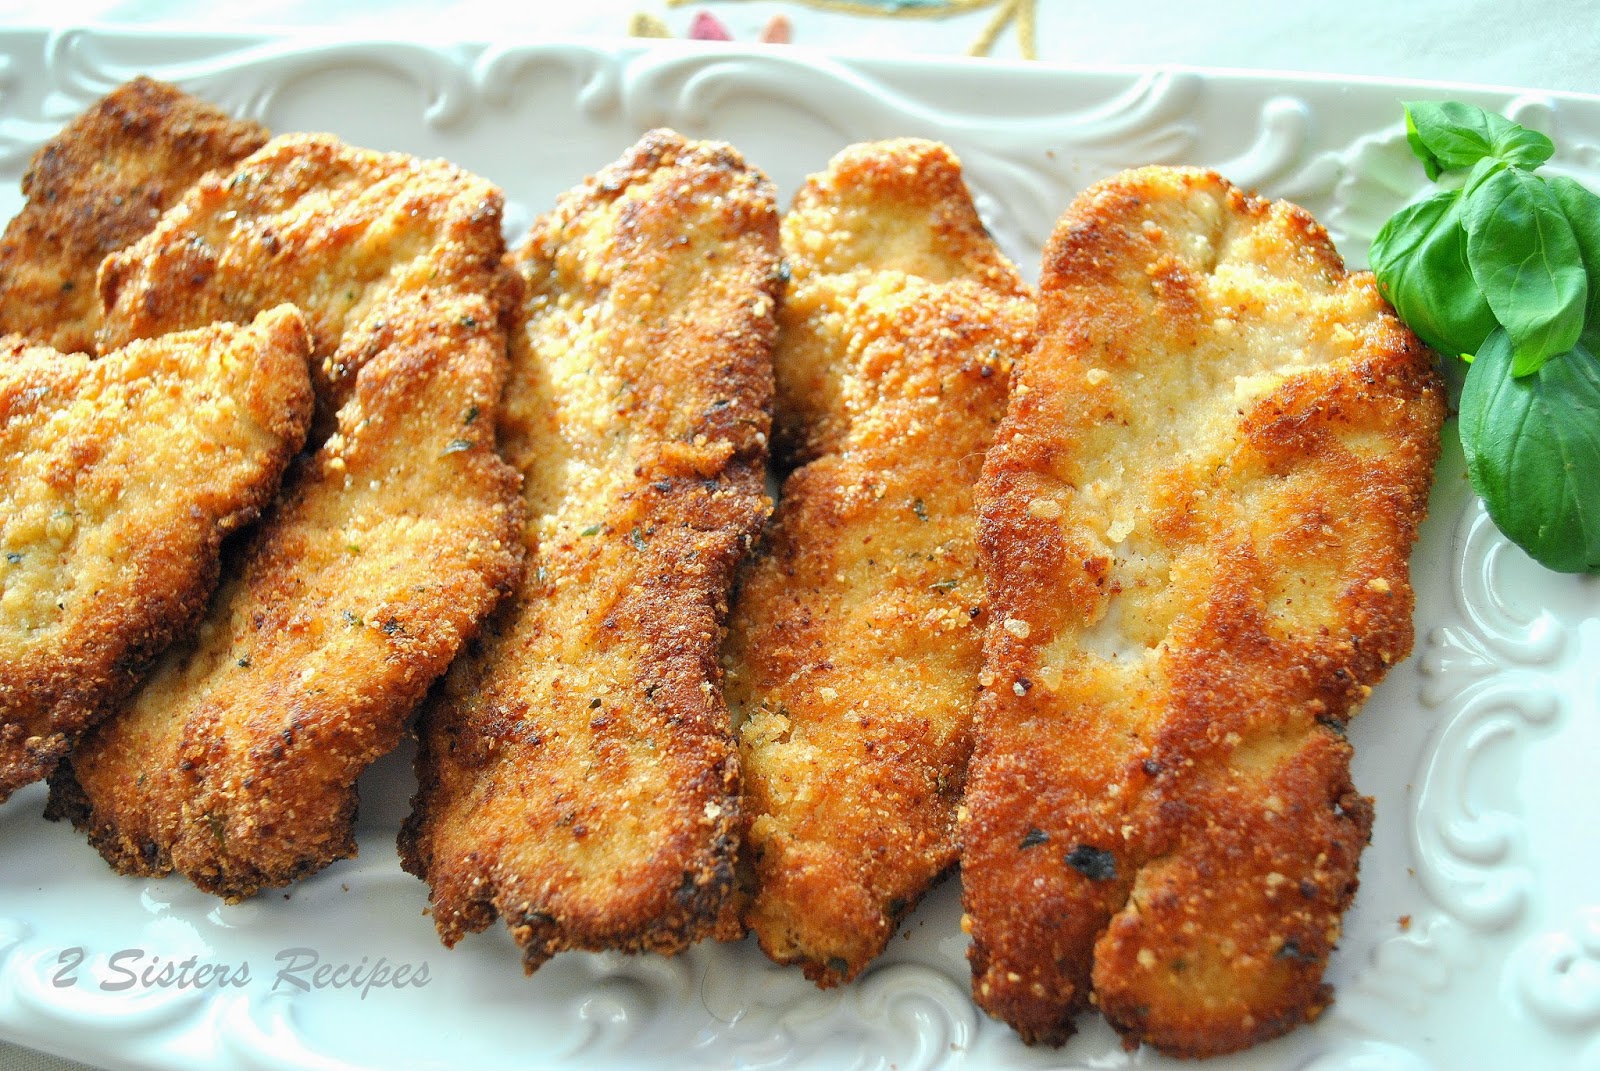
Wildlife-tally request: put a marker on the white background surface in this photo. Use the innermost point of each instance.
(1554, 45)
(1548, 45)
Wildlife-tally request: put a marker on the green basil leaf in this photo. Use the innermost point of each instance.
(1481, 172)
(1524, 257)
(1583, 212)
(1420, 259)
(1448, 135)
(1533, 452)
(1419, 148)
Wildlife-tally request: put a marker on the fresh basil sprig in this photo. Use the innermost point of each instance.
(1503, 271)
(1451, 136)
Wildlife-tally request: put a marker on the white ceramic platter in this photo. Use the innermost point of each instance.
(1475, 942)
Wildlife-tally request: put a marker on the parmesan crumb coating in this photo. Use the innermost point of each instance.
(119, 480)
(97, 187)
(577, 771)
(1196, 520)
(236, 763)
(856, 641)
(347, 234)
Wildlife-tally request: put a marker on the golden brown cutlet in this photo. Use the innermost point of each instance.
(97, 187)
(577, 773)
(1196, 519)
(236, 763)
(119, 479)
(856, 640)
(342, 232)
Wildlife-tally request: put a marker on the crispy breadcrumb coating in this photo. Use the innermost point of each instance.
(236, 763)
(1195, 527)
(344, 233)
(856, 641)
(119, 479)
(97, 187)
(577, 773)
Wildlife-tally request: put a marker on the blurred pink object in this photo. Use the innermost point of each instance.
(707, 27)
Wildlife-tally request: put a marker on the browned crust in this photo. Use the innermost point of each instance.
(170, 446)
(339, 231)
(578, 776)
(97, 187)
(236, 763)
(899, 205)
(1161, 819)
(855, 647)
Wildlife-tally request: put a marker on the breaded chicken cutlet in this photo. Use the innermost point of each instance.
(856, 641)
(347, 234)
(119, 479)
(577, 773)
(236, 763)
(97, 187)
(1196, 520)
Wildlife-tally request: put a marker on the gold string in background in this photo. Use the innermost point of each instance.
(1021, 12)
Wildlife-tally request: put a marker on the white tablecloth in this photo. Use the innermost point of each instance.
(1549, 45)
